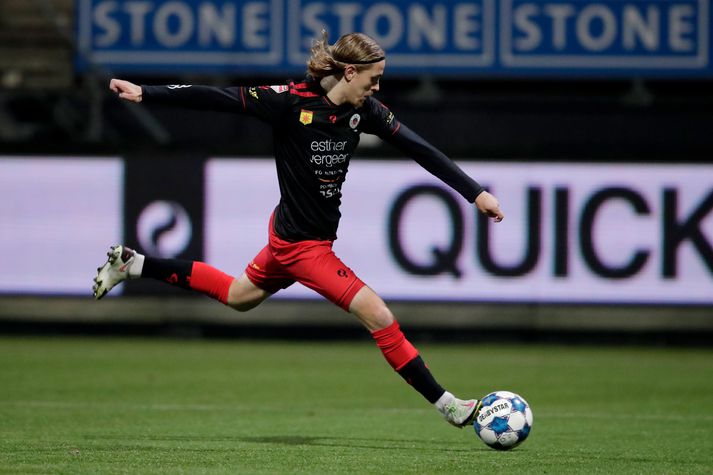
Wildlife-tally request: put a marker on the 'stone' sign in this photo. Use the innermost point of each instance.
(479, 37)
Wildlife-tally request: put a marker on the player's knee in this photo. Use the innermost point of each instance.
(244, 296)
(242, 306)
(381, 317)
(242, 302)
(371, 310)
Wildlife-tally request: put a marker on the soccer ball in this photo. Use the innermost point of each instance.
(504, 420)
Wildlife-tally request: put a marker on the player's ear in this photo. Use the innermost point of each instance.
(349, 72)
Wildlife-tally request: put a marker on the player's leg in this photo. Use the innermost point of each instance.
(321, 270)
(124, 263)
(374, 314)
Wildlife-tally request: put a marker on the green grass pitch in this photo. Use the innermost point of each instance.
(100, 405)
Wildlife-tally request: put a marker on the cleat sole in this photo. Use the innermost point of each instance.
(110, 274)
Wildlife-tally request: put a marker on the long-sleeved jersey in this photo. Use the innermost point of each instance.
(314, 140)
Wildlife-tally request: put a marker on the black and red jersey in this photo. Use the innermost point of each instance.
(314, 140)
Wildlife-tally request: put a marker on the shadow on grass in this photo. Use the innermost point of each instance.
(354, 442)
(314, 441)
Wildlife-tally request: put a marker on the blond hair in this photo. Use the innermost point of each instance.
(354, 48)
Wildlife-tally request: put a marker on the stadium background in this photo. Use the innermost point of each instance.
(601, 87)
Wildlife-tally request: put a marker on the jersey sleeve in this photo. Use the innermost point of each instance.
(382, 122)
(379, 120)
(264, 102)
(435, 162)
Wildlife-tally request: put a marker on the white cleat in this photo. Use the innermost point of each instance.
(460, 413)
(115, 271)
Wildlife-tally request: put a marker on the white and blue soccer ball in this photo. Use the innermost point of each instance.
(504, 420)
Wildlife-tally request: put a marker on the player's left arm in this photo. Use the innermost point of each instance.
(408, 142)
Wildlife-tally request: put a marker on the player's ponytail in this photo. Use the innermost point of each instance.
(354, 48)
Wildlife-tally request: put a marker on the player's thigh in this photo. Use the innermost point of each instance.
(319, 269)
(244, 295)
(267, 273)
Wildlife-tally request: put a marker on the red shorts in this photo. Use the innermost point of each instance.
(311, 263)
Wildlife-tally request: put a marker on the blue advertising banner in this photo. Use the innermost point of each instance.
(646, 38)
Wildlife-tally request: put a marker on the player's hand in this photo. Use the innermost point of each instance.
(126, 90)
(489, 206)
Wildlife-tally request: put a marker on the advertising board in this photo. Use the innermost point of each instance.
(573, 233)
(649, 38)
(580, 233)
(58, 216)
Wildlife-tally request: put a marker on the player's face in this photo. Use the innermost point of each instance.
(365, 83)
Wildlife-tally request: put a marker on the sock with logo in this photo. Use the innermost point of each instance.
(404, 358)
(192, 275)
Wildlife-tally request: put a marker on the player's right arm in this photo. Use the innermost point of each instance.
(188, 96)
(262, 102)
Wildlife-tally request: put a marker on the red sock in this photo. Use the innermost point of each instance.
(210, 281)
(397, 350)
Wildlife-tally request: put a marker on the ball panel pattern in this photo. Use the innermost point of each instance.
(504, 420)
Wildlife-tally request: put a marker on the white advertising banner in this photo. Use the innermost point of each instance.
(57, 218)
(580, 233)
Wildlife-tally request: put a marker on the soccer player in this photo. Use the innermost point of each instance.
(316, 126)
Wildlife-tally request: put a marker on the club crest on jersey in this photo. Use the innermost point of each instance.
(354, 121)
(306, 116)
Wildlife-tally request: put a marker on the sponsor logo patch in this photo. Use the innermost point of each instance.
(306, 116)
